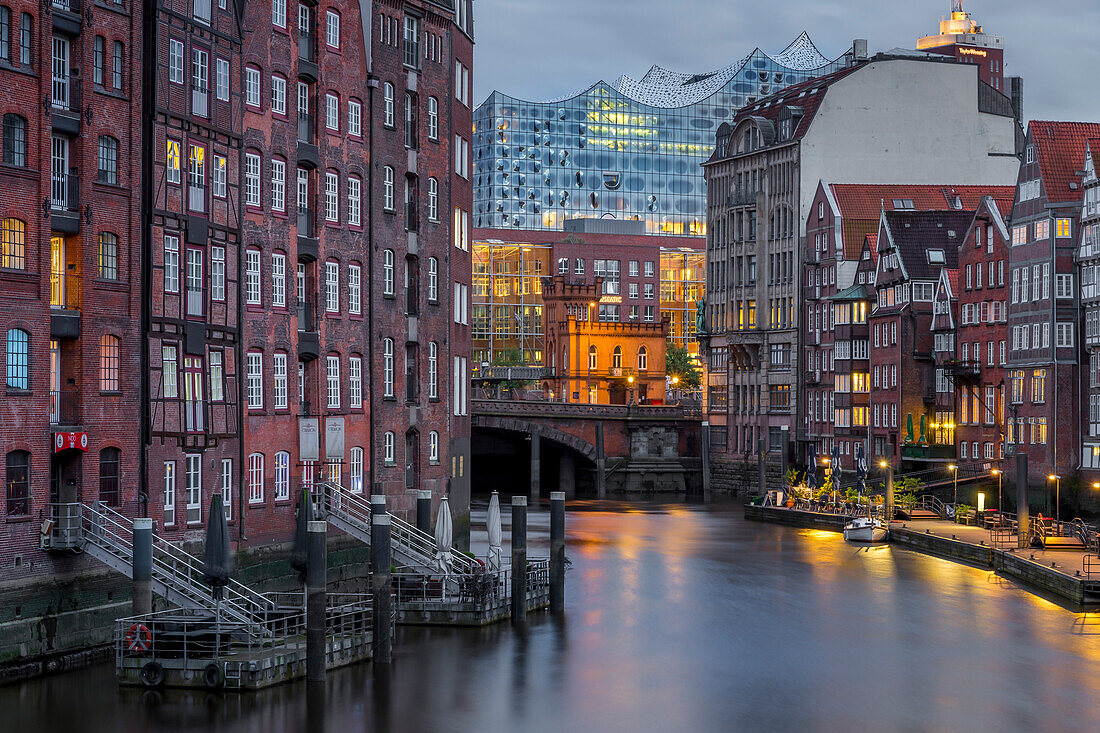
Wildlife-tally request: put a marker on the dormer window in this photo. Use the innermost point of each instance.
(1030, 153)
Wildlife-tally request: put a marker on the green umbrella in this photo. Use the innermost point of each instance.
(303, 515)
(909, 428)
(922, 419)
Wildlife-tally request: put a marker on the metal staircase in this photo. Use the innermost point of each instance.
(350, 512)
(108, 536)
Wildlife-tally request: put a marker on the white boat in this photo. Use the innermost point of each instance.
(864, 529)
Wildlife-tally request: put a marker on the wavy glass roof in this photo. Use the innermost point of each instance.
(629, 149)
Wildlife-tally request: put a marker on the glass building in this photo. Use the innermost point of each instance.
(631, 149)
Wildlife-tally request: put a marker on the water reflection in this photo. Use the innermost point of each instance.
(678, 618)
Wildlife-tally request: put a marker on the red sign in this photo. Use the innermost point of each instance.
(65, 441)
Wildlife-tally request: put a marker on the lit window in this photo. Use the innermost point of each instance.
(108, 364)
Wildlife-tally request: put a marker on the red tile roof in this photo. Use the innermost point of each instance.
(953, 281)
(861, 203)
(1060, 152)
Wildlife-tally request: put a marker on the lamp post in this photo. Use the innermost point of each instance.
(1057, 490)
(997, 472)
(955, 470)
(630, 381)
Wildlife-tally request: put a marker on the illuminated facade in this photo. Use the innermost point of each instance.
(960, 36)
(629, 149)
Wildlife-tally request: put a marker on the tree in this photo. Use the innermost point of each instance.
(678, 364)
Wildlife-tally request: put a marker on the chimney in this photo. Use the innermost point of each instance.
(859, 49)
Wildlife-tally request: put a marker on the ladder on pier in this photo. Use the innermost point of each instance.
(350, 512)
(108, 536)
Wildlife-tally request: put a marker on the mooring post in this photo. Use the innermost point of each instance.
(142, 592)
(1023, 519)
(519, 559)
(381, 560)
(316, 589)
(760, 466)
(567, 475)
(536, 466)
(557, 552)
(889, 492)
(601, 463)
(424, 511)
(704, 454)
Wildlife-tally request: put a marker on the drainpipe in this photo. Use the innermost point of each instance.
(372, 84)
(147, 116)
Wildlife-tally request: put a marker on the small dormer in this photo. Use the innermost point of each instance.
(789, 117)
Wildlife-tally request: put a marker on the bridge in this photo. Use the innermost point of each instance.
(605, 448)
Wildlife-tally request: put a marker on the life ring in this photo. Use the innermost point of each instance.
(138, 639)
(152, 674)
(213, 676)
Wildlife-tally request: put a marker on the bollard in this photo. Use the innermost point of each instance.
(1023, 523)
(316, 588)
(423, 511)
(889, 493)
(557, 552)
(381, 581)
(760, 467)
(519, 559)
(142, 593)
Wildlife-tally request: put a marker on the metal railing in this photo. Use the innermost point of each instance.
(487, 589)
(413, 545)
(65, 290)
(305, 127)
(72, 6)
(65, 192)
(67, 93)
(306, 320)
(305, 46)
(175, 569)
(196, 198)
(305, 223)
(65, 407)
(191, 639)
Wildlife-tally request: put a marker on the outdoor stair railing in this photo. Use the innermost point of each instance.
(177, 575)
(930, 503)
(350, 512)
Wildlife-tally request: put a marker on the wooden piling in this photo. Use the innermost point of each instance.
(316, 592)
(557, 552)
(381, 580)
(142, 593)
(519, 559)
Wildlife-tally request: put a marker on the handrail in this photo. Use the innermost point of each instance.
(172, 566)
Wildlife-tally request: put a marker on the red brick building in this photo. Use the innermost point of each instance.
(978, 369)
(1045, 392)
(838, 259)
(70, 277)
(191, 279)
(419, 246)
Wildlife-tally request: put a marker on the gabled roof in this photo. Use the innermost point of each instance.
(952, 277)
(914, 233)
(1060, 152)
(860, 204)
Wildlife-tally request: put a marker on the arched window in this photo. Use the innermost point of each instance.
(387, 188)
(355, 470)
(13, 238)
(109, 477)
(592, 360)
(433, 118)
(643, 359)
(387, 272)
(387, 448)
(433, 370)
(433, 447)
(108, 363)
(433, 279)
(15, 140)
(18, 359)
(433, 199)
(387, 102)
(108, 256)
(387, 367)
(255, 478)
(617, 358)
(18, 483)
(282, 475)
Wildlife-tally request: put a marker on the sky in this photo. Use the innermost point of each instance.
(542, 49)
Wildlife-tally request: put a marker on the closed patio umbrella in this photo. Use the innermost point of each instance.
(303, 515)
(492, 523)
(216, 560)
(443, 536)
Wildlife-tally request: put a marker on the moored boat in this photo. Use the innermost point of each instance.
(864, 529)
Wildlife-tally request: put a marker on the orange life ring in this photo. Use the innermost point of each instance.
(138, 638)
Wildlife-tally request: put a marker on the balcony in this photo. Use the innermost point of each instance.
(962, 369)
(65, 202)
(64, 408)
(307, 58)
(66, 105)
(307, 148)
(929, 452)
(67, 17)
(200, 102)
(742, 197)
(308, 246)
(309, 341)
(65, 302)
(412, 217)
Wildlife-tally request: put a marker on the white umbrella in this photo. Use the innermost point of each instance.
(492, 523)
(443, 532)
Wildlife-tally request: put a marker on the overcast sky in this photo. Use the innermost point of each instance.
(540, 49)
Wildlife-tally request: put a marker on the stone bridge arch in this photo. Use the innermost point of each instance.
(545, 431)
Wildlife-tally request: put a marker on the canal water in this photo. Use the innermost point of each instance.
(679, 618)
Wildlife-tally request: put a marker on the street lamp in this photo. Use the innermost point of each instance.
(630, 381)
(998, 473)
(1057, 490)
(955, 469)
